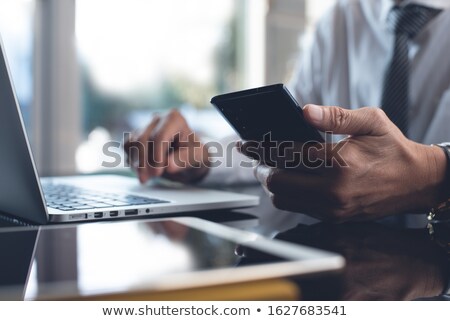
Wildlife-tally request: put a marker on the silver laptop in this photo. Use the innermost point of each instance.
(24, 195)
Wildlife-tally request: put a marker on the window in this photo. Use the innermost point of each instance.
(103, 67)
(16, 29)
(138, 57)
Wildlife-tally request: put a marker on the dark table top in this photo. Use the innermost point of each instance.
(391, 259)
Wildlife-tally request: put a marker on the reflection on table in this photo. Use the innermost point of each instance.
(382, 262)
(387, 260)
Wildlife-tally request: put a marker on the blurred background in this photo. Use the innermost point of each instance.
(86, 71)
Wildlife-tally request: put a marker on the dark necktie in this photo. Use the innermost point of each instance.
(406, 22)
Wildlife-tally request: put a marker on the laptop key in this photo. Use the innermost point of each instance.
(98, 205)
(117, 203)
(63, 208)
(82, 207)
(72, 204)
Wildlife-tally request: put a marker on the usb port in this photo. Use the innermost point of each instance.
(114, 213)
(78, 216)
(98, 215)
(131, 212)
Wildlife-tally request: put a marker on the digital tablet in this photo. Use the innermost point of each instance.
(180, 253)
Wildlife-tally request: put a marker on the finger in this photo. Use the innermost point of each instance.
(295, 183)
(129, 146)
(276, 154)
(172, 128)
(290, 182)
(178, 161)
(297, 205)
(188, 156)
(251, 149)
(180, 166)
(296, 191)
(294, 155)
(363, 121)
(144, 169)
(309, 204)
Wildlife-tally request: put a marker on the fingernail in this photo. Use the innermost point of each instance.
(143, 177)
(142, 180)
(315, 113)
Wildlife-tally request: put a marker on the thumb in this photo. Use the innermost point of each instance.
(363, 121)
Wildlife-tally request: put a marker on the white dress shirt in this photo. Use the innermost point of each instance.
(345, 62)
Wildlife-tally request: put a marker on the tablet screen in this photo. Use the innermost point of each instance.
(108, 257)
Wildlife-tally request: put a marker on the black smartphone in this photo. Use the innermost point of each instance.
(270, 110)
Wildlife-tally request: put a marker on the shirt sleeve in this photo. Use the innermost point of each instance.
(321, 71)
(305, 83)
(228, 166)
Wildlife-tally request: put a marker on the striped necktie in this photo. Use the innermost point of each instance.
(406, 22)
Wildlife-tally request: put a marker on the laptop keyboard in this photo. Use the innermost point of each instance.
(70, 198)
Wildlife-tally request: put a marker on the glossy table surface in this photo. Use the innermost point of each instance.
(391, 259)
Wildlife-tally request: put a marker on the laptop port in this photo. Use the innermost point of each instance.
(114, 213)
(98, 215)
(131, 212)
(78, 216)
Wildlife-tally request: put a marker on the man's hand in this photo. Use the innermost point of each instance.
(375, 171)
(168, 148)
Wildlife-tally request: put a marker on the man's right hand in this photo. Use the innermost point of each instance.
(375, 171)
(168, 147)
